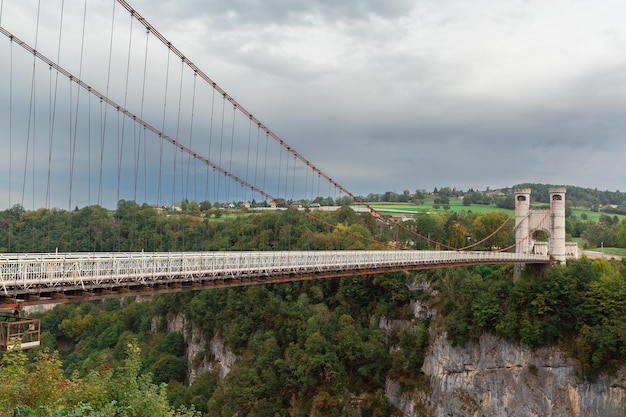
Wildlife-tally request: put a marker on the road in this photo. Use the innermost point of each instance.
(597, 255)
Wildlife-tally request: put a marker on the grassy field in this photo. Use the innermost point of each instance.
(608, 251)
(591, 215)
(428, 207)
(457, 206)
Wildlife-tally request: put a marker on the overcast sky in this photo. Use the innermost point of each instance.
(401, 94)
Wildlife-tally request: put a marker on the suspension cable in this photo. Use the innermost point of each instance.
(488, 237)
(106, 100)
(267, 130)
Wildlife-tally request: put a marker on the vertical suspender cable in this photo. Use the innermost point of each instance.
(159, 185)
(91, 231)
(143, 97)
(319, 180)
(245, 195)
(193, 107)
(131, 230)
(256, 161)
(221, 146)
(120, 149)
(167, 77)
(267, 139)
(102, 132)
(80, 71)
(286, 174)
(280, 162)
(306, 185)
(230, 164)
(52, 116)
(206, 186)
(118, 219)
(69, 235)
(293, 182)
(34, 147)
(50, 134)
(32, 111)
(104, 124)
(10, 128)
(208, 168)
(73, 139)
(175, 149)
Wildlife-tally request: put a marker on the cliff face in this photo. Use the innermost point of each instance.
(497, 378)
(491, 377)
(201, 356)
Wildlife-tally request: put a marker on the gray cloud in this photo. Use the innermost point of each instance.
(401, 95)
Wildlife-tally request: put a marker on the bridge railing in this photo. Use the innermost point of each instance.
(36, 273)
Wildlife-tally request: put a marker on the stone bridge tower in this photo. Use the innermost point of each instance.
(552, 221)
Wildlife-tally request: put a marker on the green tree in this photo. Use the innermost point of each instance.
(620, 237)
(599, 234)
(484, 226)
(13, 379)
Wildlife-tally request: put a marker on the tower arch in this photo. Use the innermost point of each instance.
(552, 220)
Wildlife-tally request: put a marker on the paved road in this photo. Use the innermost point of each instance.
(595, 255)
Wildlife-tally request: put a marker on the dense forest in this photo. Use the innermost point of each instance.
(324, 346)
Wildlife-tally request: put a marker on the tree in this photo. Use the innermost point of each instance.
(599, 234)
(487, 224)
(506, 202)
(620, 237)
(13, 379)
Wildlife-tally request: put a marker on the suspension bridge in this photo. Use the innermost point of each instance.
(99, 106)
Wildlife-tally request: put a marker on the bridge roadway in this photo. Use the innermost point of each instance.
(60, 277)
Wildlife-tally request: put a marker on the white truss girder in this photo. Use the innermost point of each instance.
(33, 273)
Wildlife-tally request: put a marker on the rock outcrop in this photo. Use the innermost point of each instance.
(493, 377)
(216, 359)
(487, 378)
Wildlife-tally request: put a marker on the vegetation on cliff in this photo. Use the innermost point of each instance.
(306, 346)
(581, 306)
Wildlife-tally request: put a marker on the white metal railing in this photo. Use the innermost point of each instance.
(29, 273)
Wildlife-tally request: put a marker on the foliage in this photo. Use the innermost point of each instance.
(300, 346)
(581, 305)
(303, 346)
(41, 389)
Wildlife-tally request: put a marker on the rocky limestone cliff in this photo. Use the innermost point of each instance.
(497, 378)
(487, 378)
(220, 358)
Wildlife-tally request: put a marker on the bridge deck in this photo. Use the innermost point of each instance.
(32, 276)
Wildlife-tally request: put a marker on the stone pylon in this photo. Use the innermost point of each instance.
(552, 221)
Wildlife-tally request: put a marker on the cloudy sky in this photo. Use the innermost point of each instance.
(408, 94)
(401, 94)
